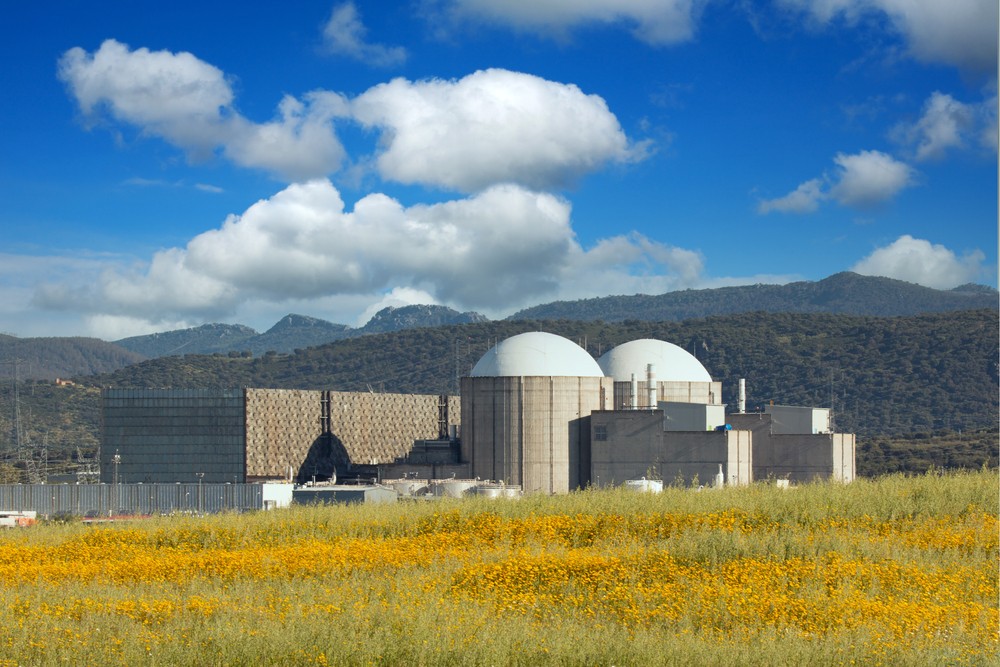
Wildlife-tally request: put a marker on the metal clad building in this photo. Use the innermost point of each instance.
(173, 435)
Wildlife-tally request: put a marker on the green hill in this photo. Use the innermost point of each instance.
(882, 375)
(846, 293)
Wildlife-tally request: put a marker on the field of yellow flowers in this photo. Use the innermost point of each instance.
(895, 571)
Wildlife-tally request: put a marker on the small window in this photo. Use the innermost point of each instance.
(601, 432)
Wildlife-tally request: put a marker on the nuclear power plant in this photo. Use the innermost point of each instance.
(537, 413)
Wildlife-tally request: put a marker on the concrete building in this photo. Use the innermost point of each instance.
(525, 413)
(537, 413)
(797, 453)
(632, 444)
(238, 435)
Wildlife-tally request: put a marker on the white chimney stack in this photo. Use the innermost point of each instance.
(651, 385)
(742, 406)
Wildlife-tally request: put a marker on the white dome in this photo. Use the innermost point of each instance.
(537, 354)
(670, 363)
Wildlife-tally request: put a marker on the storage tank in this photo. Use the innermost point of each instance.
(407, 488)
(497, 490)
(644, 485)
(452, 488)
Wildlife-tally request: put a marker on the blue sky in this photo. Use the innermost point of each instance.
(166, 166)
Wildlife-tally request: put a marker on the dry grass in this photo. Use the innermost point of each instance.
(894, 571)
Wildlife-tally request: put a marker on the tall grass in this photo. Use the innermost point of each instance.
(895, 571)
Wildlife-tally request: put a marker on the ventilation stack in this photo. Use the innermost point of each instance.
(651, 385)
(742, 405)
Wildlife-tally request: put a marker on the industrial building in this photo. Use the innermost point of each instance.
(536, 413)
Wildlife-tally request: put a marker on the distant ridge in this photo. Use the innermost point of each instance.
(206, 339)
(51, 358)
(842, 293)
(292, 332)
(411, 317)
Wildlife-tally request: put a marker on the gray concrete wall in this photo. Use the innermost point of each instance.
(632, 444)
(844, 457)
(531, 431)
(799, 458)
(691, 416)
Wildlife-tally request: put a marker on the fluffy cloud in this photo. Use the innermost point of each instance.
(804, 199)
(187, 102)
(491, 126)
(344, 34)
(503, 248)
(869, 178)
(919, 261)
(962, 33)
(947, 124)
(862, 180)
(655, 22)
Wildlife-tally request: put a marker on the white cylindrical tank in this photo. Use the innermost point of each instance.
(407, 488)
(452, 488)
(489, 490)
(644, 485)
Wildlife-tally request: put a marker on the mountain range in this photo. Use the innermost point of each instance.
(842, 293)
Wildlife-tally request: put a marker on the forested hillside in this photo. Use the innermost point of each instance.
(882, 375)
(49, 358)
(844, 293)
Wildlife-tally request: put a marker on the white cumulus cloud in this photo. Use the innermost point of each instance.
(491, 126)
(656, 22)
(862, 180)
(919, 261)
(501, 249)
(948, 124)
(189, 103)
(869, 178)
(804, 199)
(344, 34)
(962, 33)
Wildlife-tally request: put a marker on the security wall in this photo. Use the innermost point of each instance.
(172, 435)
(531, 431)
(301, 434)
(104, 500)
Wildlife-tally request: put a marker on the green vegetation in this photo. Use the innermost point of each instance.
(883, 376)
(898, 571)
(847, 293)
(49, 358)
(919, 391)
